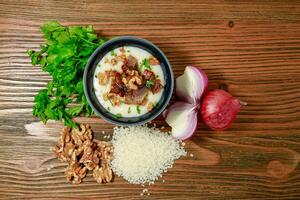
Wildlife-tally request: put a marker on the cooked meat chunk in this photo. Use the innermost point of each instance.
(116, 77)
(148, 75)
(157, 86)
(125, 66)
(132, 62)
(117, 85)
(117, 89)
(136, 96)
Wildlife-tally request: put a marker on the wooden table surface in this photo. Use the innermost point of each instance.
(250, 49)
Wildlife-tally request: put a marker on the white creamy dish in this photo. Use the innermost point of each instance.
(129, 82)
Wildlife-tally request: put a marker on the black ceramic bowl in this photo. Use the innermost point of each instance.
(98, 55)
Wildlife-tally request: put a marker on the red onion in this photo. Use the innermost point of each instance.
(191, 85)
(219, 109)
(182, 117)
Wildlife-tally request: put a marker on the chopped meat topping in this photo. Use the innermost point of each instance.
(157, 86)
(119, 89)
(132, 62)
(148, 74)
(129, 63)
(125, 66)
(137, 96)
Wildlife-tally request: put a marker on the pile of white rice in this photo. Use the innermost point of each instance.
(142, 154)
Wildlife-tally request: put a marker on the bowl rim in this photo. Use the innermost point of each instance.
(145, 43)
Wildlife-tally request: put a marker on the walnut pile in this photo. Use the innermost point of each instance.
(82, 152)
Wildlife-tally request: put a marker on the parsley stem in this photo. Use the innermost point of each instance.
(88, 42)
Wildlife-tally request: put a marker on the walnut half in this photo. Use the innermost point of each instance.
(102, 174)
(75, 173)
(134, 82)
(103, 78)
(153, 61)
(150, 106)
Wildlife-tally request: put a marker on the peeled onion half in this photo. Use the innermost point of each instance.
(182, 117)
(191, 85)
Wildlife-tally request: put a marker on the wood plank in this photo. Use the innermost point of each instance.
(251, 49)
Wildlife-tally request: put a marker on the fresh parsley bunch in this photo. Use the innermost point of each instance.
(64, 56)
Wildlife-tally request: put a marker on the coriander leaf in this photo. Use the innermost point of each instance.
(44, 48)
(74, 111)
(138, 109)
(61, 37)
(118, 116)
(79, 87)
(145, 63)
(41, 101)
(89, 29)
(43, 61)
(149, 84)
(65, 91)
(64, 56)
(68, 75)
(69, 122)
(112, 53)
(49, 28)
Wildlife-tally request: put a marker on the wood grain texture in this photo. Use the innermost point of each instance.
(251, 49)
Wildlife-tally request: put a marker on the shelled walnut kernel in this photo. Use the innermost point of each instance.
(82, 152)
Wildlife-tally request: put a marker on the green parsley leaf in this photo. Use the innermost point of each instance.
(149, 84)
(138, 109)
(129, 110)
(145, 64)
(112, 53)
(64, 56)
(118, 116)
(74, 111)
